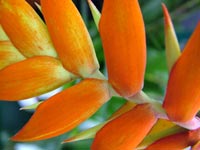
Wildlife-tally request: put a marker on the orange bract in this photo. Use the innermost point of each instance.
(70, 36)
(65, 110)
(25, 28)
(182, 97)
(123, 36)
(32, 77)
(126, 131)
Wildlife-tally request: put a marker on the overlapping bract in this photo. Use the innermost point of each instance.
(70, 37)
(25, 28)
(23, 77)
(35, 67)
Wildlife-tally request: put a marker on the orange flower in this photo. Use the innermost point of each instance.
(39, 70)
(32, 64)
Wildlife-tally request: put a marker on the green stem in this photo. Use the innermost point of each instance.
(98, 75)
(142, 97)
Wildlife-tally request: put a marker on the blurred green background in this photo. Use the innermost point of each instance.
(185, 16)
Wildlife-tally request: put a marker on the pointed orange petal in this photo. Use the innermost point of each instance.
(25, 28)
(9, 54)
(177, 141)
(126, 131)
(70, 36)
(182, 96)
(171, 43)
(123, 36)
(65, 110)
(31, 77)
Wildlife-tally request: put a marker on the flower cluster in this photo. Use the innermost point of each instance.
(37, 57)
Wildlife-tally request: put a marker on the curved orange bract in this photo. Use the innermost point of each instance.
(123, 36)
(65, 110)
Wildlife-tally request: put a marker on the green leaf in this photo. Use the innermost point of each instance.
(95, 13)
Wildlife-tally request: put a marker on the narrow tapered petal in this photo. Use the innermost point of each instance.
(173, 51)
(123, 36)
(25, 29)
(95, 12)
(3, 36)
(126, 131)
(32, 77)
(177, 141)
(9, 54)
(70, 36)
(65, 110)
(182, 97)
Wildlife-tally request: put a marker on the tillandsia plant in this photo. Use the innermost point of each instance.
(36, 58)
